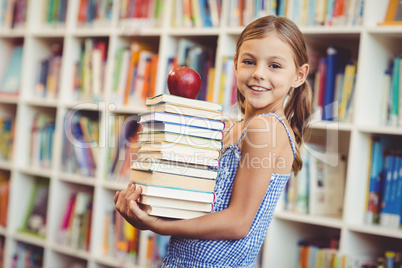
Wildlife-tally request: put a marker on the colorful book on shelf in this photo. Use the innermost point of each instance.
(157, 137)
(154, 165)
(182, 119)
(326, 187)
(164, 179)
(36, 214)
(394, 13)
(4, 195)
(172, 99)
(6, 137)
(374, 191)
(11, 79)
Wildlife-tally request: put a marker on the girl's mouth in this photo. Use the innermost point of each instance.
(259, 89)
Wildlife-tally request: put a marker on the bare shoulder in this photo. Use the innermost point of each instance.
(268, 135)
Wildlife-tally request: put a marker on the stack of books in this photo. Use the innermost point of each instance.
(181, 140)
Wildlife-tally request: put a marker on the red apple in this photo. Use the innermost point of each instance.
(184, 82)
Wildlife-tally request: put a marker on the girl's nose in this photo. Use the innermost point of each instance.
(258, 74)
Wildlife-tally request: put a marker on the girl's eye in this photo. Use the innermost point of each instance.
(275, 66)
(249, 62)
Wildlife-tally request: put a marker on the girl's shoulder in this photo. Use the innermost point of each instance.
(276, 131)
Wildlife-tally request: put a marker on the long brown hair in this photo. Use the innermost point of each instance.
(298, 104)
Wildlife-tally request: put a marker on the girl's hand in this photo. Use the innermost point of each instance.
(126, 204)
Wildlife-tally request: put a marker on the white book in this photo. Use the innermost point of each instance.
(180, 149)
(175, 193)
(179, 139)
(175, 203)
(205, 105)
(182, 129)
(172, 212)
(182, 120)
(149, 164)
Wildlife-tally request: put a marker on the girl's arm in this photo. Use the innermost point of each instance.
(264, 140)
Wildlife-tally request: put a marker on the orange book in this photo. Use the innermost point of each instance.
(135, 52)
(154, 69)
(391, 17)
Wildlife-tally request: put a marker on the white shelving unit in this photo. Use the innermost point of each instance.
(372, 45)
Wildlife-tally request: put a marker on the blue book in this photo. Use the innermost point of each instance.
(375, 182)
(386, 207)
(398, 198)
(393, 206)
(205, 13)
(332, 68)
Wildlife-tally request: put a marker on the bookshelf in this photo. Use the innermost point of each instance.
(370, 44)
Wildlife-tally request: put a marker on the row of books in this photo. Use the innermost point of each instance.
(26, 255)
(122, 147)
(13, 13)
(391, 110)
(80, 143)
(94, 12)
(178, 147)
(324, 254)
(54, 12)
(156, 249)
(198, 57)
(4, 194)
(318, 189)
(384, 206)
(121, 240)
(7, 125)
(302, 12)
(227, 92)
(49, 72)
(334, 83)
(42, 137)
(75, 226)
(139, 13)
(10, 76)
(134, 75)
(196, 13)
(89, 71)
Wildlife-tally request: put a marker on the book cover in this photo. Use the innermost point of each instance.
(12, 76)
(36, 214)
(376, 174)
(172, 180)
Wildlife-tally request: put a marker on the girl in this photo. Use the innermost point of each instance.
(259, 154)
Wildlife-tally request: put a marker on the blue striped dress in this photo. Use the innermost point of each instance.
(185, 252)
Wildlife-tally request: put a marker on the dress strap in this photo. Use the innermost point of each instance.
(227, 131)
(283, 123)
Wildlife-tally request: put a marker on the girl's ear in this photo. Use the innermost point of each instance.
(302, 73)
(235, 61)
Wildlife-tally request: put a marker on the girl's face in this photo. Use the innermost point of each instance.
(266, 71)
